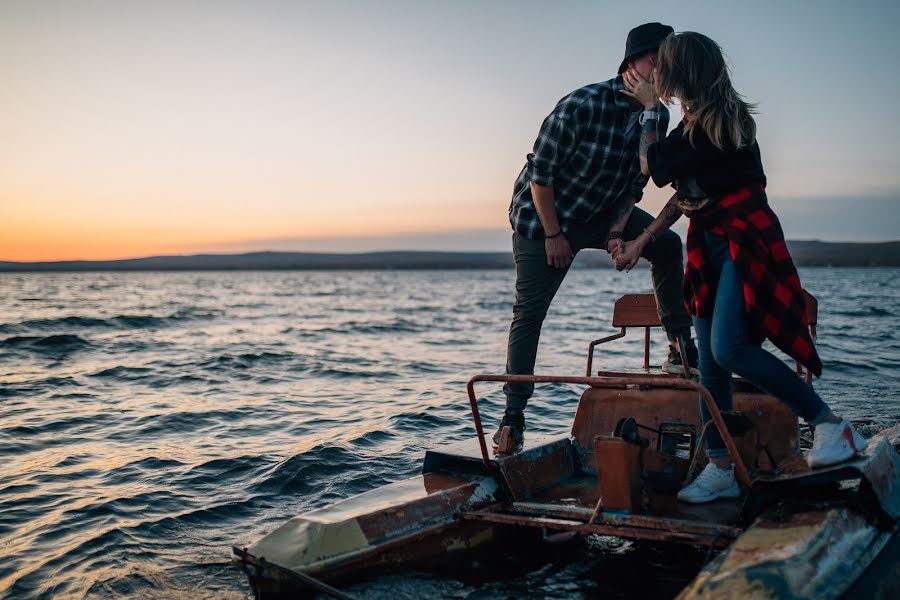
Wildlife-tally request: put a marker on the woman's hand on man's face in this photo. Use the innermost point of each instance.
(640, 88)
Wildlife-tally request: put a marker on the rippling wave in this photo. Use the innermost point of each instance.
(152, 420)
(119, 321)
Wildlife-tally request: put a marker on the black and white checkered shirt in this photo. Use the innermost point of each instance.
(588, 152)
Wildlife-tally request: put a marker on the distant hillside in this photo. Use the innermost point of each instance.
(828, 254)
(805, 254)
(281, 260)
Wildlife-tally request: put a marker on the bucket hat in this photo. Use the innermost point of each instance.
(642, 38)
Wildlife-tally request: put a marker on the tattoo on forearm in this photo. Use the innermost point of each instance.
(666, 218)
(649, 136)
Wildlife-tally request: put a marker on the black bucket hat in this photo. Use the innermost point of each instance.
(642, 38)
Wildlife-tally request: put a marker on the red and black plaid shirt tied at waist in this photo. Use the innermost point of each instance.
(773, 298)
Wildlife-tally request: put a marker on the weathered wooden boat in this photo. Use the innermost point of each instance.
(635, 440)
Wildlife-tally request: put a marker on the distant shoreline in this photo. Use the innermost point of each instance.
(805, 253)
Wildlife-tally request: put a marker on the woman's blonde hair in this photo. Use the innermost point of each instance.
(690, 67)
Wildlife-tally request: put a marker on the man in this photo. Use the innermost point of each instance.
(578, 190)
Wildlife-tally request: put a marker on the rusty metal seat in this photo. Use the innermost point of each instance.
(640, 310)
(631, 310)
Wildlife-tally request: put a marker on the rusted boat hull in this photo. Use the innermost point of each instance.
(796, 533)
(844, 542)
(814, 553)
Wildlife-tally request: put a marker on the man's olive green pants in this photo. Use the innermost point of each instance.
(537, 282)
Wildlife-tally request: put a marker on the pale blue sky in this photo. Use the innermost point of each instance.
(142, 127)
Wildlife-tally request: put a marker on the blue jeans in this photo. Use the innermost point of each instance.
(726, 346)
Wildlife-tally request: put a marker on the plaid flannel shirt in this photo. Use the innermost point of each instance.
(773, 299)
(587, 152)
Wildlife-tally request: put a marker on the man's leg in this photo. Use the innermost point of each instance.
(667, 273)
(536, 284)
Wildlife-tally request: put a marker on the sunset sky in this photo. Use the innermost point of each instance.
(137, 128)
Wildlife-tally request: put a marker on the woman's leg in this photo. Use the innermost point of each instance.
(734, 349)
(717, 380)
(717, 479)
(835, 439)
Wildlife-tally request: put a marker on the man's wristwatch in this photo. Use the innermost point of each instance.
(648, 114)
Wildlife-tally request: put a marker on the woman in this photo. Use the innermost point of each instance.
(740, 284)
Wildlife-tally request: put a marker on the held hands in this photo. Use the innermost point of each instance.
(559, 252)
(640, 88)
(628, 256)
(614, 246)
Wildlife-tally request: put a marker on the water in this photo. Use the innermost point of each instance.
(148, 421)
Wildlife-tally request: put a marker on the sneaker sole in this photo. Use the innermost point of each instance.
(818, 463)
(859, 441)
(730, 493)
(677, 370)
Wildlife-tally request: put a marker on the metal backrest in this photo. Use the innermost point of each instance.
(639, 310)
(636, 310)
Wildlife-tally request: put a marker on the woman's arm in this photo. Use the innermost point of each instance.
(620, 213)
(649, 136)
(633, 249)
(644, 91)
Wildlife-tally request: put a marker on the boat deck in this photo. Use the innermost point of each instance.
(548, 489)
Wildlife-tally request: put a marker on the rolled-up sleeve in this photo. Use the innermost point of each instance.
(555, 143)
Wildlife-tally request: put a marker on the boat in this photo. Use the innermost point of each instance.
(634, 441)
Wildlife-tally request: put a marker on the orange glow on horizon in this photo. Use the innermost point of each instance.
(28, 241)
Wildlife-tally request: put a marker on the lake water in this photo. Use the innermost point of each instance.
(148, 421)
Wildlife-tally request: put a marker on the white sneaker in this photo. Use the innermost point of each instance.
(711, 484)
(834, 443)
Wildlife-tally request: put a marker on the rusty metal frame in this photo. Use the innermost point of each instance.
(609, 338)
(624, 531)
(740, 470)
(578, 513)
(695, 459)
(647, 348)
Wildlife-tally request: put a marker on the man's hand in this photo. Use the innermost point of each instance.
(640, 88)
(614, 247)
(626, 259)
(559, 252)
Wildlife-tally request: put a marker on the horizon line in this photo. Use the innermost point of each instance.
(361, 252)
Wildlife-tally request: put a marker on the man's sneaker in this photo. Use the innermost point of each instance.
(834, 443)
(711, 484)
(673, 364)
(516, 435)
